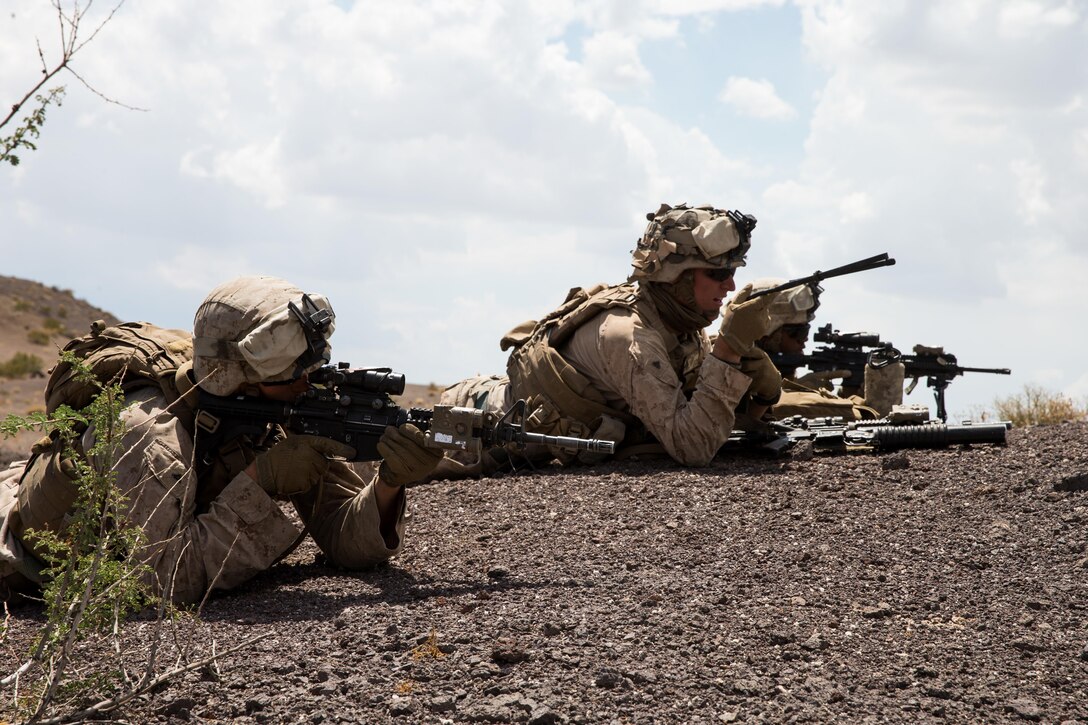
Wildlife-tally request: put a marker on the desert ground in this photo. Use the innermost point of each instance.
(934, 586)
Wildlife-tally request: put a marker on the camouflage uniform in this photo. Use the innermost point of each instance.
(607, 365)
(212, 531)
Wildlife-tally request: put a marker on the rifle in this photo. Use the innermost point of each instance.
(834, 435)
(938, 367)
(852, 350)
(862, 265)
(841, 351)
(353, 406)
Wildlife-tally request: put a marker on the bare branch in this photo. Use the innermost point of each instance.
(69, 30)
(101, 95)
(121, 698)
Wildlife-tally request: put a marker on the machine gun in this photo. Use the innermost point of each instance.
(938, 368)
(852, 350)
(834, 435)
(353, 406)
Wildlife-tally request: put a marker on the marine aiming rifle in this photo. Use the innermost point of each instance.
(841, 351)
(834, 435)
(852, 350)
(353, 406)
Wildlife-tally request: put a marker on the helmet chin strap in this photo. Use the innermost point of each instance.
(315, 323)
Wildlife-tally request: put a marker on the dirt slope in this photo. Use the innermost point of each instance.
(924, 586)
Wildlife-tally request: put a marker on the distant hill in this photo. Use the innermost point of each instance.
(38, 320)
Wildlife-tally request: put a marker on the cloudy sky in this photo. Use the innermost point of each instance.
(444, 170)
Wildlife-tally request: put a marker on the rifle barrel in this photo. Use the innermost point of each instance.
(594, 445)
(862, 265)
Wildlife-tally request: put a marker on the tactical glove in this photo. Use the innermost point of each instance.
(823, 378)
(744, 322)
(297, 463)
(766, 387)
(405, 455)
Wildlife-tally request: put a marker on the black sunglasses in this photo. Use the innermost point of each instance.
(721, 274)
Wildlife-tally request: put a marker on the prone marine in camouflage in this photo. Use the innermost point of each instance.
(810, 396)
(210, 517)
(631, 362)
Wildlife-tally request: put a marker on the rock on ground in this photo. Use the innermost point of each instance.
(948, 586)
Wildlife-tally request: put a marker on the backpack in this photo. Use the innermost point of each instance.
(134, 354)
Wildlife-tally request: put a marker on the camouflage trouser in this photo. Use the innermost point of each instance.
(20, 571)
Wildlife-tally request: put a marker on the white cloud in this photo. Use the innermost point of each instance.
(445, 170)
(953, 144)
(612, 60)
(756, 98)
(1022, 18)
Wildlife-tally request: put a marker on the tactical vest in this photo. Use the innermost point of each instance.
(559, 399)
(132, 354)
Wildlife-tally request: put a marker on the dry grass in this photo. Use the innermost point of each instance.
(1036, 405)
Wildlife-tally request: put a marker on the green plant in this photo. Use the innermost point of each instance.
(81, 665)
(1036, 405)
(30, 129)
(92, 578)
(20, 365)
(22, 305)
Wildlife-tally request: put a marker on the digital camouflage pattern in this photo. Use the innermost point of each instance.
(245, 332)
(682, 237)
(624, 363)
(794, 306)
(193, 546)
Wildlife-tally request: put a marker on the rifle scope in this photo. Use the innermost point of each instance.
(378, 381)
(853, 340)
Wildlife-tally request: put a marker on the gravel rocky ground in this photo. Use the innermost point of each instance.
(919, 586)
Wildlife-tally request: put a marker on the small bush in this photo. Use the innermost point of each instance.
(38, 337)
(53, 324)
(20, 365)
(1036, 405)
(22, 306)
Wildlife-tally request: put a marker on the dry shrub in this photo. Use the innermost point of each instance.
(1036, 405)
(20, 365)
(38, 337)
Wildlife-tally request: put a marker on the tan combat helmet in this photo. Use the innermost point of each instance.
(259, 330)
(794, 306)
(680, 237)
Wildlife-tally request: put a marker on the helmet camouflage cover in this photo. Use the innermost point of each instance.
(680, 237)
(793, 306)
(259, 330)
